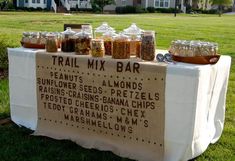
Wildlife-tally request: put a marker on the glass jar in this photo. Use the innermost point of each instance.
(134, 33)
(25, 37)
(108, 42)
(51, 43)
(99, 31)
(97, 48)
(83, 43)
(42, 38)
(148, 45)
(68, 42)
(34, 37)
(121, 47)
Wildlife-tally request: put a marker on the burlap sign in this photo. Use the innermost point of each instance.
(116, 105)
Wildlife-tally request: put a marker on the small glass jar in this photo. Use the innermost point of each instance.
(68, 41)
(42, 38)
(121, 47)
(148, 45)
(25, 37)
(97, 48)
(34, 37)
(51, 43)
(99, 31)
(83, 43)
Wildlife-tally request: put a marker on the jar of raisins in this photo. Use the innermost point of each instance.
(68, 41)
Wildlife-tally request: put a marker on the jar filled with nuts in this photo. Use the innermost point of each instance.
(121, 47)
(148, 45)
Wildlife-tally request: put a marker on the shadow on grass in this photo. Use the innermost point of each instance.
(17, 144)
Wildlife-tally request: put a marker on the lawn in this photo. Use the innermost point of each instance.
(17, 144)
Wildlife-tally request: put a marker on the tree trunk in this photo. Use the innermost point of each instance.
(220, 10)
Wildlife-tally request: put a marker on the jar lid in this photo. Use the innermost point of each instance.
(122, 36)
(133, 30)
(82, 33)
(104, 27)
(109, 34)
(51, 35)
(97, 40)
(68, 32)
(26, 33)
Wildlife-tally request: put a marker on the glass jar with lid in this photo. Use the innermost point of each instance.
(108, 42)
(121, 47)
(97, 48)
(68, 42)
(51, 43)
(25, 37)
(99, 31)
(134, 33)
(148, 45)
(42, 37)
(34, 37)
(83, 43)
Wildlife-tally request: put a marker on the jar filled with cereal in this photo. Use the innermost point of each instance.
(97, 48)
(121, 47)
(51, 43)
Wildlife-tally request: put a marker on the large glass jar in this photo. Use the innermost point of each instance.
(99, 31)
(51, 43)
(83, 43)
(68, 41)
(108, 42)
(97, 48)
(134, 33)
(148, 45)
(121, 47)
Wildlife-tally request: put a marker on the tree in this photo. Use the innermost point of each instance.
(221, 4)
(101, 3)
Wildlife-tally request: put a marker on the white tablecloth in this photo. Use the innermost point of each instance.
(194, 108)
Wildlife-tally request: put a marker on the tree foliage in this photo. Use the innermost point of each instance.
(220, 4)
(101, 3)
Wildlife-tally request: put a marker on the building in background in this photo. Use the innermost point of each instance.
(54, 4)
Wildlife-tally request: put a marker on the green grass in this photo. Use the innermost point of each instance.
(17, 144)
(4, 99)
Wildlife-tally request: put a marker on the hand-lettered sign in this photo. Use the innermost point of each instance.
(116, 105)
